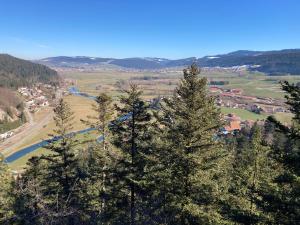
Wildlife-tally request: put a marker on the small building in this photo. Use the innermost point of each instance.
(234, 124)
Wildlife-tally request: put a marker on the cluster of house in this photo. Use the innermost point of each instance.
(235, 124)
(6, 135)
(34, 97)
(234, 98)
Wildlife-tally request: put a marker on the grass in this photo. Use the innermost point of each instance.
(253, 84)
(79, 105)
(243, 114)
(20, 164)
(285, 118)
(82, 107)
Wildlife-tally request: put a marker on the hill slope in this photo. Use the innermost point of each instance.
(16, 72)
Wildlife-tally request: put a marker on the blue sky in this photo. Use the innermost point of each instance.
(162, 28)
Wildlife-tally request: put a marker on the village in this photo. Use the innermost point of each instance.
(234, 98)
(38, 96)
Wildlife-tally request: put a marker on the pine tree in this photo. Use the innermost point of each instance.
(62, 179)
(30, 204)
(49, 191)
(282, 197)
(6, 199)
(99, 159)
(129, 136)
(191, 163)
(252, 171)
(100, 121)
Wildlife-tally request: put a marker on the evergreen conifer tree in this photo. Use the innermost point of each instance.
(49, 191)
(30, 204)
(282, 197)
(99, 158)
(252, 171)
(6, 198)
(130, 133)
(191, 165)
(62, 179)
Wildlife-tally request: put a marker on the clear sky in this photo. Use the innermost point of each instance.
(162, 28)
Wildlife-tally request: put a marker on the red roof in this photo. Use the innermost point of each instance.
(233, 125)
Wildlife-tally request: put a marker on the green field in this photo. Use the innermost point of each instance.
(284, 118)
(243, 114)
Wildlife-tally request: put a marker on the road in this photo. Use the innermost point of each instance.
(25, 132)
(28, 115)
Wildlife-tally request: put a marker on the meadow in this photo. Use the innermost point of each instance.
(153, 84)
(163, 83)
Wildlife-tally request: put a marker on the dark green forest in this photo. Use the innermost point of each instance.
(166, 167)
(16, 72)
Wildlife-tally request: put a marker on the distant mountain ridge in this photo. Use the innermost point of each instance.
(15, 72)
(272, 62)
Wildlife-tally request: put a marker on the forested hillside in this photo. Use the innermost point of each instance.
(169, 166)
(16, 72)
(11, 110)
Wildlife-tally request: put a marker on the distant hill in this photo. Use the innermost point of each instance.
(16, 72)
(270, 62)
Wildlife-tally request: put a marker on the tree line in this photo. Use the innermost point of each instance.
(166, 166)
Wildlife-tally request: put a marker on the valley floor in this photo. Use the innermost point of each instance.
(25, 132)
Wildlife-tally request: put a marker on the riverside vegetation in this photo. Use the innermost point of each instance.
(169, 166)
